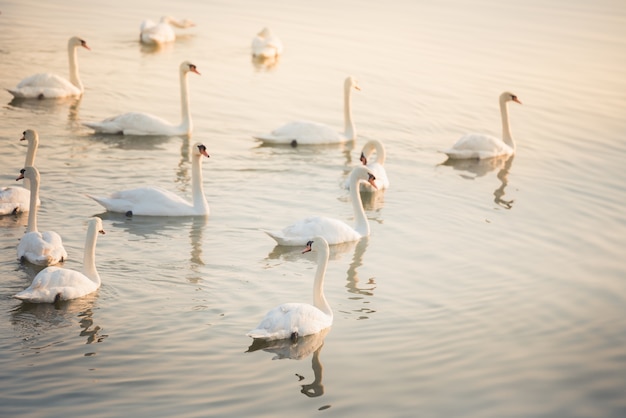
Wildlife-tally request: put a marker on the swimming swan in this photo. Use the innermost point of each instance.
(486, 146)
(377, 167)
(333, 230)
(314, 133)
(293, 320)
(160, 33)
(137, 123)
(50, 86)
(54, 284)
(41, 248)
(266, 45)
(154, 201)
(15, 199)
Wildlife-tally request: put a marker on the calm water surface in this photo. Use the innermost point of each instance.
(485, 290)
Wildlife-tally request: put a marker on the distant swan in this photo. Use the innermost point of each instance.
(266, 45)
(154, 201)
(41, 248)
(159, 33)
(487, 146)
(376, 167)
(15, 199)
(293, 320)
(137, 123)
(333, 230)
(49, 86)
(314, 133)
(54, 284)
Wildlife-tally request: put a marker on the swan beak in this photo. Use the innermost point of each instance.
(194, 70)
(516, 100)
(84, 45)
(206, 154)
(308, 247)
(102, 232)
(372, 181)
(21, 176)
(23, 138)
(357, 87)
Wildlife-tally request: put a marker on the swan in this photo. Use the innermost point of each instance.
(377, 168)
(137, 123)
(487, 146)
(266, 45)
(54, 284)
(49, 86)
(293, 320)
(17, 199)
(41, 248)
(159, 33)
(334, 231)
(314, 133)
(154, 201)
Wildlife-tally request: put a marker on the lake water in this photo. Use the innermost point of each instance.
(484, 290)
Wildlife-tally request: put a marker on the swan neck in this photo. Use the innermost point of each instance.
(197, 189)
(186, 123)
(349, 128)
(73, 59)
(89, 257)
(30, 158)
(319, 300)
(362, 225)
(369, 148)
(32, 204)
(506, 128)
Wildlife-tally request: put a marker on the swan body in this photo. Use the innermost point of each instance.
(138, 123)
(152, 33)
(314, 133)
(377, 167)
(41, 248)
(483, 146)
(332, 230)
(51, 86)
(266, 45)
(17, 199)
(154, 201)
(293, 320)
(53, 284)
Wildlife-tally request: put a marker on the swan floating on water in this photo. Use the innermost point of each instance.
(486, 146)
(293, 320)
(333, 230)
(152, 33)
(155, 201)
(266, 45)
(52, 86)
(54, 284)
(41, 248)
(314, 133)
(377, 167)
(137, 123)
(15, 199)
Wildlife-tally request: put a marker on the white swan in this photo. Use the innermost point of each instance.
(137, 123)
(54, 284)
(15, 199)
(334, 231)
(313, 133)
(377, 167)
(487, 146)
(293, 320)
(154, 201)
(266, 45)
(49, 86)
(41, 248)
(160, 33)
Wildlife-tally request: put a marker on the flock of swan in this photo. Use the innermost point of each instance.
(286, 321)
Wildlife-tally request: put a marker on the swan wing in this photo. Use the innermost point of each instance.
(14, 200)
(44, 85)
(158, 34)
(148, 201)
(133, 123)
(282, 321)
(478, 146)
(53, 282)
(304, 133)
(41, 248)
(299, 233)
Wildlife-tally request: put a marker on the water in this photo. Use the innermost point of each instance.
(485, 290)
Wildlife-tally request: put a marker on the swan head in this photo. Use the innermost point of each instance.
(29, 135)
(351, 83)
(362, 173)
(186, 67)
(29, 172)
(96, 224)
(315, 245)
(507, 96)
(363, 158)
(76, 41)
(200, 149)
(265, 33)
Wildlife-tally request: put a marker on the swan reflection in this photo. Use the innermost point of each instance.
(261, 63)
(48, 106)
(293, 253)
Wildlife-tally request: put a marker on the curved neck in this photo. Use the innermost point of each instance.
(349, 128)
(199, 200)
(89, 257)
(377, 146)
(186, 122)
(30, 158)
(72, 55)
(32, 207)
(362, 225)
(319, 300)
(506, 129)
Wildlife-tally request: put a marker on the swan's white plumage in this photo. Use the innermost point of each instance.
(332, 230)
(55, 283)
(41, 248)
(376, 167)
(52, 86)
(266, 45)
(155, 201)
(15, 199)
(139, 123)
(291, 320)
(314, 133)
(152, 33)
(483, 146)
